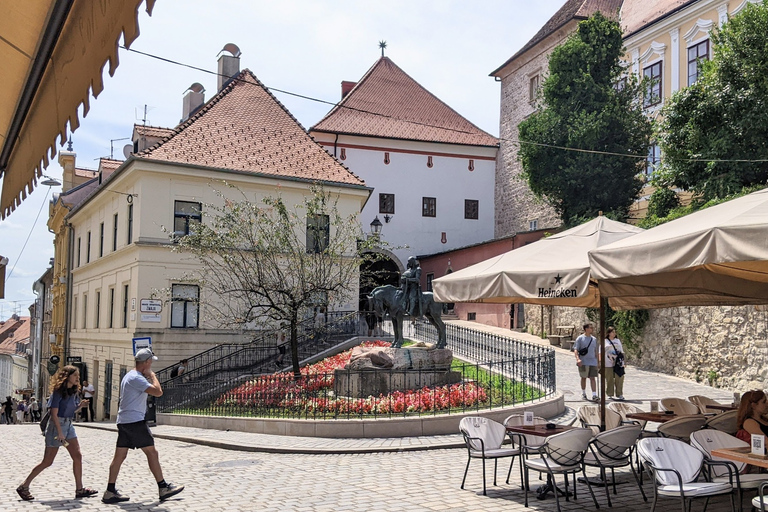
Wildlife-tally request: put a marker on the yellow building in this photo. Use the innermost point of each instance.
(120, 231)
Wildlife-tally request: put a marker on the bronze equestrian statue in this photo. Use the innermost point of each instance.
(408, 300)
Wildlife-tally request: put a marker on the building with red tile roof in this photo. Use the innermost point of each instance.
(14, 335)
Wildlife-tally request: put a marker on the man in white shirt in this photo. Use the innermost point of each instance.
(89, 393)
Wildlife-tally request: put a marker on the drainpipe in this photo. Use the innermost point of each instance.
(39, 289)
(68, 309)
(336, 141)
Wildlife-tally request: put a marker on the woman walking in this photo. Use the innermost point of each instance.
(63, 406)
(614, 365)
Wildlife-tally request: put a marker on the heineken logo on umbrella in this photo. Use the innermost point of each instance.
(554, 292)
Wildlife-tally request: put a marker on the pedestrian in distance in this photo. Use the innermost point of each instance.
(614, 365)
(34, 406)
(585, 349)
(132, 429)
(21, 409)
(89, 393)
(64, 405)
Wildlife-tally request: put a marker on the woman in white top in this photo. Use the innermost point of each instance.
(614, 384)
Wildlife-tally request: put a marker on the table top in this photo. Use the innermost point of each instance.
(722, 407)
(740, 455)
(539, 430)
(658, 417)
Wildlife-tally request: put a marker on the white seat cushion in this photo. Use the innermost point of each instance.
(496, 453)
(748, 481)
(540, 465)
(756, 503)
(696, 489)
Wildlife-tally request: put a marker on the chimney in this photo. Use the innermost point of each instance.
(229, 65)
(67, 162)
(193, 100)
(346, 87)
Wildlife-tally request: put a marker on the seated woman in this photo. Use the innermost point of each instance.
(750, 419)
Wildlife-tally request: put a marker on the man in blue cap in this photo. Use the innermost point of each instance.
(132, 429)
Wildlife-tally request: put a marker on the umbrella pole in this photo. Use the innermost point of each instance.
(601, 345)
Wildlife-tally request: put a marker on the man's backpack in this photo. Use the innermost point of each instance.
(175, 372)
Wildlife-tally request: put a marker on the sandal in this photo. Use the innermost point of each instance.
(85, 492)
(24, 493)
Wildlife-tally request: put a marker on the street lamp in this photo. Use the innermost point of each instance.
(376, 226)
(50, 182)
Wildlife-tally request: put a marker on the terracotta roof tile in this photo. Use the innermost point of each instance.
(152, 131)
(87, 173)
(13, 332)
(387, 102)
(245, 128)
(636, 14)
(571, 10)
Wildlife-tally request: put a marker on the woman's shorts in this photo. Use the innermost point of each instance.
(587, 371)
(134, 435)
(67, 428)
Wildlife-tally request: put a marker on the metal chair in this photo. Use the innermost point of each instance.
(613, 449)
(678, 406)
(589, 416)
(676, 466)
(484, 439)
(562, 454)
(680, 428)
(724, 422)
(707, 440)
(702, 402)
(623, 408)
(760, 502)
(527, 443)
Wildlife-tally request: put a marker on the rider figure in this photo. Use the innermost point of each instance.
(410, 283)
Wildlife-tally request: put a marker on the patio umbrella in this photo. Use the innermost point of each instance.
(552, 271)
(716, 256)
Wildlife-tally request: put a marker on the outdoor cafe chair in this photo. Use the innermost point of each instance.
(623, 408)
(678, 406)
(613, 449)
(702, 402)
(589, 416)
(527, 443)
(675, 466)
(561, 454)
(681, 427)
(484, 438)
(724, 422)
(707, 440)
(760, 502)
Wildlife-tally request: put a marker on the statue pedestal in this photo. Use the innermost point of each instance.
(380, 371)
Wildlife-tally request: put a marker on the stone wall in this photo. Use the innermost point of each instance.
(689, 342)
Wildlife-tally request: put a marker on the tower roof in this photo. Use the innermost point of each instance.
(388, 103)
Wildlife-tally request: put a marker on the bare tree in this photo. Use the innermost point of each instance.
(265, 263)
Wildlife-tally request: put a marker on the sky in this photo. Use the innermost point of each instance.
(302, 46)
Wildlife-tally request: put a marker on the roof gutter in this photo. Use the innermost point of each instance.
(58, 17)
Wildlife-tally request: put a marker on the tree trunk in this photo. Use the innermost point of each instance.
(295, 346)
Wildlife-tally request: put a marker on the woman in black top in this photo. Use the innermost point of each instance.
(752, 411)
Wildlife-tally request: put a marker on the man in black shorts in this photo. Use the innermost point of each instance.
(132, 429)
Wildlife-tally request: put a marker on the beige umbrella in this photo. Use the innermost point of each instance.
(716, 256)
(553, 271)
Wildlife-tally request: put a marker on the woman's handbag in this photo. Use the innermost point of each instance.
(618, 363)
(45, 420)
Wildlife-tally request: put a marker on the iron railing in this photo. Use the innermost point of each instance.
(503, 372)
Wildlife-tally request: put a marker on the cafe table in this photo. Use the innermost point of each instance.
(658, 417)
(741, 455)
(540, 431)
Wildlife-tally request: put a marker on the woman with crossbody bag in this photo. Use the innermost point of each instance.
(614, 366)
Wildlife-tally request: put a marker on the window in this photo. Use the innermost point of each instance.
(430, 277)
(114, 233)
(653, 159)
(79, 252)
(125, 306)
(387, 203)
(88, 249)
(85, 311)
(130, 224)
(653, 87)
(101, 240)
(696, 55)
(318, 233)
(533, 225)
(428, 207)
(111, 308)
(184, 305)
(185, 215)
(471, 208)
(533, 88)
(98, 309)
(471, 316)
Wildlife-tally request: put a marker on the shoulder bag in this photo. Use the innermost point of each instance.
(618, 363)
(584, 351)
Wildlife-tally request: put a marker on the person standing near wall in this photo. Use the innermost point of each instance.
(89, 393)
(614, 365)
(585, 349)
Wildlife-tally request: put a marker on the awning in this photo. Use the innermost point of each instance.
(51, 54)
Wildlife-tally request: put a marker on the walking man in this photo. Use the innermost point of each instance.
(89, 393)
(585, 350)
(132, 429)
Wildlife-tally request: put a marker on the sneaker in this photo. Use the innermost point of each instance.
(583, 396)
(170, 490)
(610, 398)
(114, 497)
(620, 397)
(595, 398)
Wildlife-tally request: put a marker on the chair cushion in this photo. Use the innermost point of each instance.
(747, 481)
(496, 453)
(756, 503)
(696, 489)
(540, 465)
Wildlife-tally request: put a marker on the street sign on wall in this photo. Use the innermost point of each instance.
(151, 306)
(140, 343)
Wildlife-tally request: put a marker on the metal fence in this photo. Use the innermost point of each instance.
(503, 372)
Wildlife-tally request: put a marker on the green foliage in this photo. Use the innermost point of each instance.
(629, 325)
(582, 107)
(724, 115)
(662, 201)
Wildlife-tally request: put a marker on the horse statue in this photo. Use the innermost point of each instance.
(388, 299)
